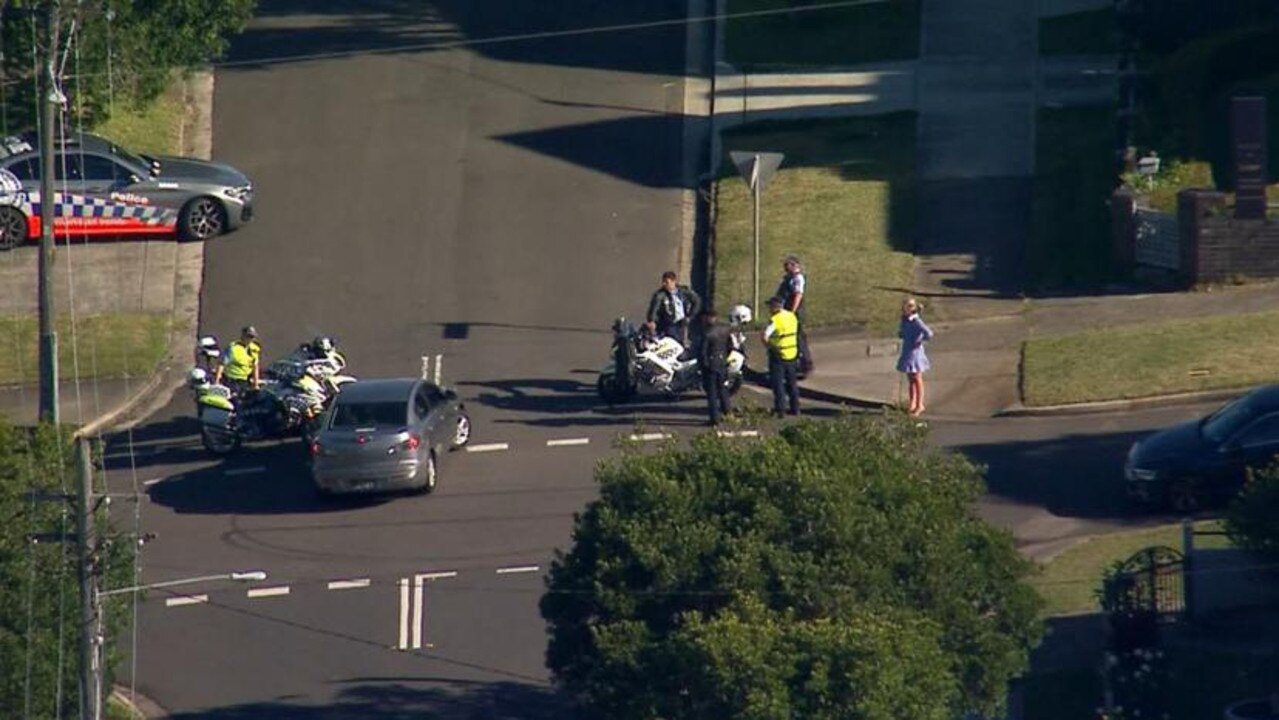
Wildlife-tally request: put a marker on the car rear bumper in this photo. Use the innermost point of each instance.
(383, 477)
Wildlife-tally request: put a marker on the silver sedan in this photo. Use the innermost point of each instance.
(383, 435)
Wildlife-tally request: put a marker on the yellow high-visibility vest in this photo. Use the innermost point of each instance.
(785, 338)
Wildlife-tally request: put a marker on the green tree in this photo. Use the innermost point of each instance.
(835, 570)
(39, 596)
(1250, 519)
(121, 51)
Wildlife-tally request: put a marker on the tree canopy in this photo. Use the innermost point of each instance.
(39, 597)
(111, 51)
(835, 570)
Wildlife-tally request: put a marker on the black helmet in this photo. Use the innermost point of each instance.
(249, 331)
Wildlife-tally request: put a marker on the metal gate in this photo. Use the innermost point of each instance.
(1158, 240)
(1151, 580)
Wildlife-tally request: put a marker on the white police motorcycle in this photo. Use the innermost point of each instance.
(643, 364)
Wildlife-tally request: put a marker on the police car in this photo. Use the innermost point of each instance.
(103, 189)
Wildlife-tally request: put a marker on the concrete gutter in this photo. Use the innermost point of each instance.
(1111, 406)
(196, 139)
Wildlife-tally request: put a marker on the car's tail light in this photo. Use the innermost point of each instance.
(412, 443)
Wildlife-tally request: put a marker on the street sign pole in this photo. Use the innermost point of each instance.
(756, 168)
(754, 183)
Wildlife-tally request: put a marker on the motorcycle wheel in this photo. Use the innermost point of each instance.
(733, 383)
(610, 391)
(219, 442)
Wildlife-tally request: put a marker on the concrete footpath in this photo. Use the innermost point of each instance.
(155, 277)
(975, 360)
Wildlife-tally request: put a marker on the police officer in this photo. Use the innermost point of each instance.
(781, 336)
(791, 291)
(671, 307)
(712, 358)
(242, 363)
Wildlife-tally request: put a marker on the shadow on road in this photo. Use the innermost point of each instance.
(645, 37)
(282, 488)
(401, 698)
(1071, 476)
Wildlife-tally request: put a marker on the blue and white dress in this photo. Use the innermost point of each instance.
(914, 333)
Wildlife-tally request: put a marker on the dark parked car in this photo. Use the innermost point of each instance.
(382, 435)
(1206, 461)
(103, 189)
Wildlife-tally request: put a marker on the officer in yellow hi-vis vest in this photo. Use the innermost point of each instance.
(241, 363)
(782, 337)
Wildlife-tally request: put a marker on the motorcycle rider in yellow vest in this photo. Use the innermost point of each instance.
(241, 363)
(782, 336)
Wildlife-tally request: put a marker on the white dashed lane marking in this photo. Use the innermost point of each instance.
(491, 447)
(268, 591)
(646, 437)
(348, 584)
(186, 600)
(519, 569)
(568, 441)
(737, 433)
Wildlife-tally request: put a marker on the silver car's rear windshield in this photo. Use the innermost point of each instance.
(369, 415)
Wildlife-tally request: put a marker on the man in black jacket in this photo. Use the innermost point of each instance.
(671, 308)
(712, 358)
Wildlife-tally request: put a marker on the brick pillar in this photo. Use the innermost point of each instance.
(1123, 232)
(1193, 205)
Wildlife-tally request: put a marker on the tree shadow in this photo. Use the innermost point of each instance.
(645, 37)
(402, 698)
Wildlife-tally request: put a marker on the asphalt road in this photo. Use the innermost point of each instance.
(499, 203)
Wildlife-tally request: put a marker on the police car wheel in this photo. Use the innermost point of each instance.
(13, 228)
(202, 218)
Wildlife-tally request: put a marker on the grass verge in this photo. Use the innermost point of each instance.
(118, 709)
(1074, 175)
(844, 201)
(1156, 359)
(1069, 581)
(827, 37)
(105, 346)
(155, 128)
(1091, 32)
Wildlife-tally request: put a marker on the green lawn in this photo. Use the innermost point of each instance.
(1074, 175)
(1069, 581)
(155, 128)
(105, 346)
(840, 36)
(1092, 32)
(1212, 353)
(844, 201)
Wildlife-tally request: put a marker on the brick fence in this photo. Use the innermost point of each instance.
(1213, 245)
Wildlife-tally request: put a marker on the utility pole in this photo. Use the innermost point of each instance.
(49, 102)
(90, 612)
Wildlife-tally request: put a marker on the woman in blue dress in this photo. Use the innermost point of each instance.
(913, 361)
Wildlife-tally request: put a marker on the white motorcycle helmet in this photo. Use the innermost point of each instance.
(740, 315)
(208, 346)
(197, 377)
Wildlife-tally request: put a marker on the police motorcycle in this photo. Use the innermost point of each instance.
(644, 364)
(278, 409)
(294, 392)
(319, 360)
